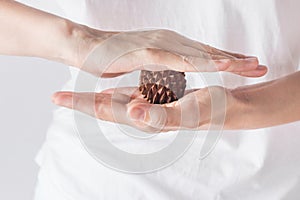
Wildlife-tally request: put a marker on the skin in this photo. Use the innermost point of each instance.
(44, 35)
(47, 36)
(248, 107)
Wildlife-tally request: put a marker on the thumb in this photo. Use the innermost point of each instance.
(150, 115)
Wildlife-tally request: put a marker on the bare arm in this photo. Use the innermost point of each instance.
(271, 103)
(25, 31)
(248, 107)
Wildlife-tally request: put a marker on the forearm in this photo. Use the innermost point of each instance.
(271, 103)
(26, 31)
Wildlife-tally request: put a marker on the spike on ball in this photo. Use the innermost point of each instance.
(162, 87)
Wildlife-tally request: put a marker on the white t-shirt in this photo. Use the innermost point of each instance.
(257, 164)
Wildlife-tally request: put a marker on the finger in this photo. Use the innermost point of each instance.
(230, 65)
(186, 62)
(227, 53)
(234, 59)
(111, 75)
(152, 115)
(236, 55)
(239, 65)
(248, 70)
(211, 52)
(106, 107)
(177, 115)
(258, 72)
(215, 53)
(132, 92)
(62, 99)
(102, 106)
(199, 64)
(84, 102)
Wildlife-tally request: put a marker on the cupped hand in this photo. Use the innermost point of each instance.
(111, 54)
(127, 106)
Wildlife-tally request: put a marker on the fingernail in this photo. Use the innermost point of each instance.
(261, 67)
(137, 114)
(62, 99)
(54, 96)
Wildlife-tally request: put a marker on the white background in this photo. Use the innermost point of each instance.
(26, 86)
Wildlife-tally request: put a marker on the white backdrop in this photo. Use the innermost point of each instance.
(26, 86)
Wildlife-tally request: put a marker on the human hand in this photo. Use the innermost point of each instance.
(127, 106)
(109, 54)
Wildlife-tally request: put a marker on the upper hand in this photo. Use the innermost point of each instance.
(109, 54)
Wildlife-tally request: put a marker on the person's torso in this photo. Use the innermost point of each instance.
(244, 164)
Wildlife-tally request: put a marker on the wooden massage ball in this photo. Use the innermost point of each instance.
(159, 87)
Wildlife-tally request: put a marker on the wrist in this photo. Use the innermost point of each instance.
(75, 43)
(255, 108)
(80, 40)
(237, 116)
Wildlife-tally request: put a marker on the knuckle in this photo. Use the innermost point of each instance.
(166, 32)
(163, 31)
(76, 102)
(99, 107)
(98, 110)
(157, 36)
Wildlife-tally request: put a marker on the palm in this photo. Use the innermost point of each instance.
(128, 106)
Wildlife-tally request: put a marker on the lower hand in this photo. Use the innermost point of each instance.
(248, 107)
(127, 106)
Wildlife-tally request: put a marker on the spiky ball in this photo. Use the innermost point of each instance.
(160, 87)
